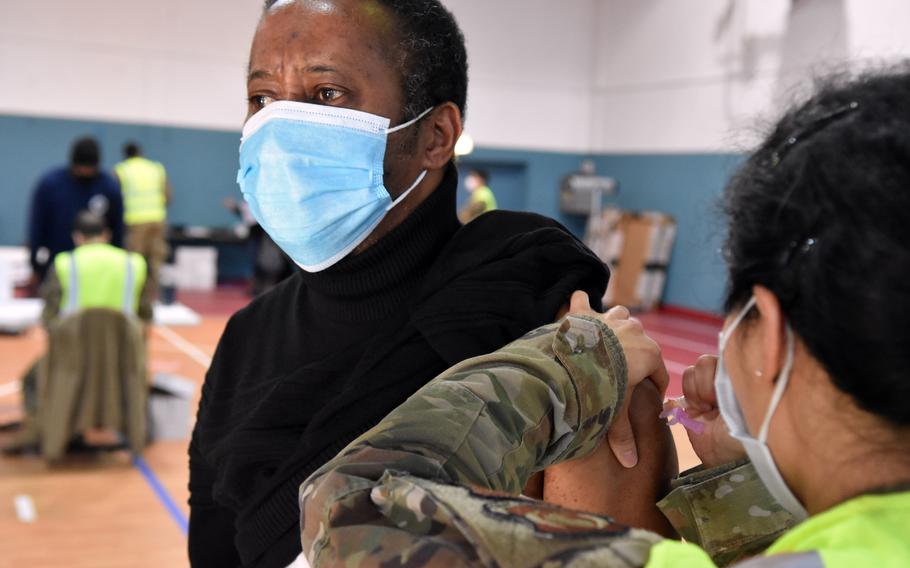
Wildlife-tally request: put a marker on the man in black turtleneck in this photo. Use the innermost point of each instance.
(311, 365)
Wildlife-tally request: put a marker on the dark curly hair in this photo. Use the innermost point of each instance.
(432, 58)
(820, 215)
(85, 152)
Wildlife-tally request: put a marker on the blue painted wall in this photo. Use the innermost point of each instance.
(689, 187)
(544, 172)
(202, 166)
(509, 180)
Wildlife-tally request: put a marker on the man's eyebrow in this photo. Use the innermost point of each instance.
(265, 74)
(321, 69)
(258, 74)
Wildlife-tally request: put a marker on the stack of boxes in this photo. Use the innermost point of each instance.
(637, 247)
(16, 265)
(195, 268)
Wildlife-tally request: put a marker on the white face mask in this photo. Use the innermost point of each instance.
(732, 414)
(471, 183)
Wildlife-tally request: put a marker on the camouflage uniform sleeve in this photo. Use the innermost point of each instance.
(415, 490)
(727, 511)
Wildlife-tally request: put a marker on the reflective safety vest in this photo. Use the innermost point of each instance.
(484, 195)
(871, 530)
(100, 276)
(143, 184)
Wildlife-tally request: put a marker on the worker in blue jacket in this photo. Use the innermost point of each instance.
(61, 194)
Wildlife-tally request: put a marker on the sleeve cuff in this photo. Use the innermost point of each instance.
(726, 510)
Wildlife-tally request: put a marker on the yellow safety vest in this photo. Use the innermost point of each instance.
(143, 184)
(100, 276)
(485, 196)
(872, 530)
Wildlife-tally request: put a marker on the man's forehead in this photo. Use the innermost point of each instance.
(324, 6)
(370, 10)
(369, 20)
(324, 33)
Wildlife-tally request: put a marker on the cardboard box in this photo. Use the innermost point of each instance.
(637, 247)
(169, 407)
(6, 281)
(195, 268)
(18, 265)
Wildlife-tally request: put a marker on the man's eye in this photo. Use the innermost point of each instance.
(259, 102)
(328, 95)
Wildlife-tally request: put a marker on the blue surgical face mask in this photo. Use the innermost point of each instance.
(732, 414)
(313, 178)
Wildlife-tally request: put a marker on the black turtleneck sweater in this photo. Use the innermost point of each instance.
(308, 367)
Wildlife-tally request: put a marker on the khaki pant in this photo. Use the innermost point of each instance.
(148, 240)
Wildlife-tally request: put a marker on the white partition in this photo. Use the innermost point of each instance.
(195, 268)
(19, 269)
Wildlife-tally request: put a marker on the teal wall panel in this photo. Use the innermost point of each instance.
(202, 165)
(544, 172)
(689, 187)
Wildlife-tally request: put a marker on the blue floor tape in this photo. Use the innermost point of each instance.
(162, 494)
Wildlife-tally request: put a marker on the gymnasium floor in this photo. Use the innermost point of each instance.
(107, 511)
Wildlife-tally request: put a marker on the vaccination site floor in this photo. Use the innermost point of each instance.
(101, 510)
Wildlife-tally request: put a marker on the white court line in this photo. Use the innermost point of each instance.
(185, 346)
(696, 347)
(10, 388)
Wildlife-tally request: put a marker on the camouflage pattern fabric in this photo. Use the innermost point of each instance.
(436, 483)
(727, 511)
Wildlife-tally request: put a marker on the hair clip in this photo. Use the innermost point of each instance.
(796, 249)
(808, 244)
(808, 130)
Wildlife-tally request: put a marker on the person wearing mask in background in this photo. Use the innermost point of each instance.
(146, 194)
(61, 195)
(482, 200)
(810, 385)
(347, 163)
(94, 275)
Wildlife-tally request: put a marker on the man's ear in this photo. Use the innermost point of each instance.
(772, 328)
(441, 131)
(78, 240)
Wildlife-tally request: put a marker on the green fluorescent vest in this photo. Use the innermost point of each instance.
(142, 182)
(485, 195)
(871, 530)
(100, 276)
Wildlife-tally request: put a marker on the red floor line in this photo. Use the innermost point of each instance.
(674, 367)
(708, 339)
(697, 347)
(682, 325)
(690, 314)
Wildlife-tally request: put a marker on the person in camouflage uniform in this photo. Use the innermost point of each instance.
(811, 385)
(437, 482)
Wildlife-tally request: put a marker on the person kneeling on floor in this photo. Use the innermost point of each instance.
(87, 292)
